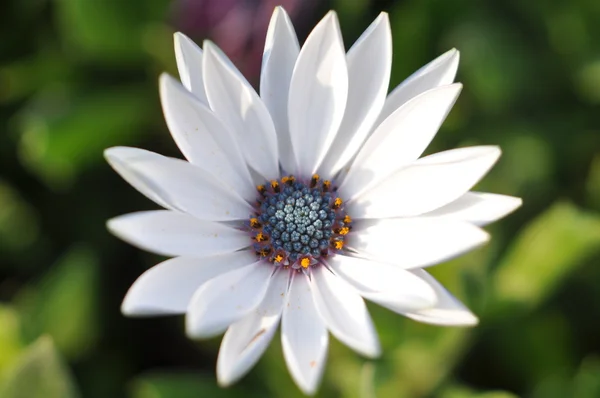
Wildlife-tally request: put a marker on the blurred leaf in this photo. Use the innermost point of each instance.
(62, 135)
(527, 165)
(110, 30)
(10, 338)
(588, 82)
(64, 304)
(26, 76)
(346, 374)
(585, 384)
(530, 360)
(555, 386)
(410, 25)
(543, 255)
(351, 15)
(465, 392)
(494, 62)
(39, 373)
(14, 211)
(367, 381)
(182, 386)
(587, 380)
(422, 361)
(593, 183)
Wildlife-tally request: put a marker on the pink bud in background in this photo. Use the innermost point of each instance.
(237, 26)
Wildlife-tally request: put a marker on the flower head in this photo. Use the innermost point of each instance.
(296, 204)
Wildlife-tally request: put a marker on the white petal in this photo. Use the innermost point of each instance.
(246, 340)
(318, 94)
(344, 312)
(234, 100)
(384, 284)
(400, 139)
(415, 242)
(304, 336)
(204, 140)
(279, 58)
(447, 311)
(478, 208)
(176, 184)
(172, 233)
(189, 64)
(439, 72)
(429, 183)
(119, 159)
(168, 287)
(369, 65)
(226, 299)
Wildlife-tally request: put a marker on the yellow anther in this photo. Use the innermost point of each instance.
(265, 251)
(261, 189)
(314, 180)
(343, 231)
(254, 223)
(347, 219)
(278, 258)
(326, 185)
(337, 203)
(275, 185)
(260, 237)
(305, 262)
(288, 180)
(338, 244)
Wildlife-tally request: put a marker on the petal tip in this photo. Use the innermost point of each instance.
(164, 76)
(209, 46)
(279, 11)
(224, 379)
(132, 307)
(484, 238)
(451, 58)
(330, 14)
(467, 319)
(181, 39)
(450, 55)
(128, 309)
(495, 151)
(196, 329)
(307, 387)
(383, 18)
(212, 53)
(120, 151)
(178, 37)
(113, 154)
(110, 224)
(191, 329)
(165, 82)
(374, 351)
(518, 202)
(330, 20)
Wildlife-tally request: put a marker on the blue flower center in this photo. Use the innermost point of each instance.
(298, 223)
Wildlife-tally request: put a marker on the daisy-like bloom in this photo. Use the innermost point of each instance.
(296, 204)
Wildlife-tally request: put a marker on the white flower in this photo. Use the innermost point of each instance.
(303, 249)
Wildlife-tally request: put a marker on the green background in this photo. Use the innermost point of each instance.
(77, 76)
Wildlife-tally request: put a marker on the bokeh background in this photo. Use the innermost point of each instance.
(77, 76)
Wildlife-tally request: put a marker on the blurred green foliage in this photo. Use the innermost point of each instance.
(77, 76)
(38, 372)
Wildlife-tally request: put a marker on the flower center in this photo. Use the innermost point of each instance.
(298, 223)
